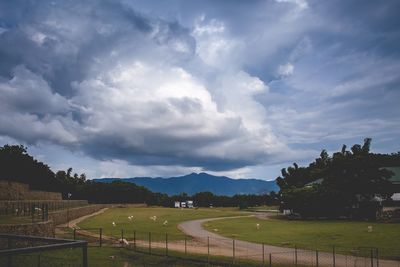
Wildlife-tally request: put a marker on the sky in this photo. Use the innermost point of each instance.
(165, 88)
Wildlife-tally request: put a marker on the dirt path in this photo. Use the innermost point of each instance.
(205, 242)
(244, 249)
(73, 223)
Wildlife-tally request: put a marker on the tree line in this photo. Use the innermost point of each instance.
(350, 183)
(18, 166)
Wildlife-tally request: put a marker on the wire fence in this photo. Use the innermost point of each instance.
(220, 250)
(26, 208)
(26, 251)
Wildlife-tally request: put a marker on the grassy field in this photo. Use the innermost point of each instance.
(110, 257)
(8, 219)
(320, 235)
(141, 221)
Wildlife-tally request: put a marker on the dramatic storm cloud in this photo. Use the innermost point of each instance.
(128, 88)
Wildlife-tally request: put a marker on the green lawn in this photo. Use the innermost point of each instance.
(142, 223)
(8, 219)
(320, 235)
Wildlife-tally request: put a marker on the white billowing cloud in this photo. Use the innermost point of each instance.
(286, 70)
(144, 97)
(239, 90)
(301, 4)
(121, 168)
(30, 111)
(163, 111)
(213, 45)
(30, 93)
(2, 30)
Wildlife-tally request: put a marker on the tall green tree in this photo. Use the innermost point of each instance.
(349, 182)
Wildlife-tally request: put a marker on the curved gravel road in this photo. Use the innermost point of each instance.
(244, 249)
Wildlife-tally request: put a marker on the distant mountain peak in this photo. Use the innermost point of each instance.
(200, 182)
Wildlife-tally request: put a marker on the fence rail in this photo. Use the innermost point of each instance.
(237, 252)
(26, 208)
(17, 250)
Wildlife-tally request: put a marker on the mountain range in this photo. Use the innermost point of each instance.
(200, 182)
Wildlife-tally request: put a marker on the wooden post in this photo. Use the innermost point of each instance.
(134, 240)
(233, 251)
(84, 256)
(166, 244)
(185, 246)
(263, 255)
(372, 258)
(270, 260)
(295, 255)
(334, 256)
(74, 233)
(316, 258)
(377, 258)
(208, 249)
(9, 246)
(101, 237)
(150, 242)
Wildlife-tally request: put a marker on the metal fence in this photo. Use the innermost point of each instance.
(26, 208)
(213, 249)
(26, 251)
(93, 236)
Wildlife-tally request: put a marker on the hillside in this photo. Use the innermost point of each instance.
(201, 182)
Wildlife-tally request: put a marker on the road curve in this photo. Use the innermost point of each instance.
(278, 254)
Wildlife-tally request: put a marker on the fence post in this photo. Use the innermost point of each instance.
(166, 244)
(101, 237)
(84, 256)
(9, 246)
(122, 235)
(208, 249)
(185, 246)
(372, 258)
(134, 240)
(377, 258)
(295, 255)
(334, 256)
(263, 255)
(74, 233)
(33, 212)
(233, 251)
(270, 260)
(150, 242)
(316, 258)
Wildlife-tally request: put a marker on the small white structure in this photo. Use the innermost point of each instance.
(184, 204)
(287, 212)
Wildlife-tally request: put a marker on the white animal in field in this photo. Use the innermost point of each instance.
(113, 224)
(130, 218)
(258, 226)
(165, 223)
(215, 230)
(369, 229)
(154, 218)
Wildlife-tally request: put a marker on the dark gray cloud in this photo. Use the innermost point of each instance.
(211, 85)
